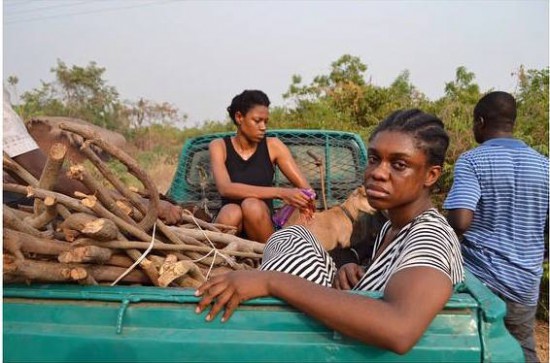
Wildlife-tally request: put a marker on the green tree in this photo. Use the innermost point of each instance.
(12, 82)
(77, 91)
(532, 99)
(146, 113)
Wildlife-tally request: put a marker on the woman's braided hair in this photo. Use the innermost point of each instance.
(427, 130)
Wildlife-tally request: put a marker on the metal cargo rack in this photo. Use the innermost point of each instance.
(343, 156)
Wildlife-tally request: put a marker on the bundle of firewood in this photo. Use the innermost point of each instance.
(112, 235)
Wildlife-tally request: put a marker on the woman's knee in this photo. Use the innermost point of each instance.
(230, 214)
(254, 208)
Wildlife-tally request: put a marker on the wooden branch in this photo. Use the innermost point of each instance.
(50, 172)
(212, 261)
(100, 229)
(18, 242)
(173, 269)
(22, 173)
(225, 228)
(175, 238)
(133, 168)
(147, 266)
(131, 229)
(10, 220)
(188, 217)
(119, 260)
(48, 214)
(11, 165)
(159, 246)
(40, 271)
(21, 214)
(222, 238)
(91, 254)
(97, 209)
(42, 194)
(134, 198)
(79, 173)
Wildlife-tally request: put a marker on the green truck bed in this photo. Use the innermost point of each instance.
(70, 323)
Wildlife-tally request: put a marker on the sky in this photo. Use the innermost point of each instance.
(197, 55)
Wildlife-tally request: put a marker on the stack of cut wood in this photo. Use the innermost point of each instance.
(113, 235)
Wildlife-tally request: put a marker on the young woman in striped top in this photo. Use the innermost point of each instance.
(416, 260)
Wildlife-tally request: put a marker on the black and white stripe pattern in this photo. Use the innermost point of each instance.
(428, 241)
(296, 251)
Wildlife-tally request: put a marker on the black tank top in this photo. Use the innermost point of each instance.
(257, 170)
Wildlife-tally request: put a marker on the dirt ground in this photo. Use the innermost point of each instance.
(541, 334)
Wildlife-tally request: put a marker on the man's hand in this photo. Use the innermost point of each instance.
(170, 213)
(229, 290)
(348, 276)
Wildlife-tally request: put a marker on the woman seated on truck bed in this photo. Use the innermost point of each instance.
(416, 259)
(244, 166)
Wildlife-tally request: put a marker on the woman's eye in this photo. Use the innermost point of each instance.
(399, 165)
(372, 159)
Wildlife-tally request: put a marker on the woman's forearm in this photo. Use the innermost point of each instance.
(241, 191)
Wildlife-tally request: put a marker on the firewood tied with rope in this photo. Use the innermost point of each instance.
(110, 236)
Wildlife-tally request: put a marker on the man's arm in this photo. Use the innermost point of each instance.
(460, 220)
(462, 199)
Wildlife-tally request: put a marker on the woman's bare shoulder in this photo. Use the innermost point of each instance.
(217, 143)
(275, 142)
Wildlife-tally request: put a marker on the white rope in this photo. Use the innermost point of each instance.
(214, 249)
(141, 258)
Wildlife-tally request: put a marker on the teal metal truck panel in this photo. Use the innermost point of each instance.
(68, 323)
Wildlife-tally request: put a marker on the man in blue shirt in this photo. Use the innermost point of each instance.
(499, 204)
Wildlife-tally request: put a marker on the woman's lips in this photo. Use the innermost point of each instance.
(376, 192)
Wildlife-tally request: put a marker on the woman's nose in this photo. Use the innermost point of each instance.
(379, 171)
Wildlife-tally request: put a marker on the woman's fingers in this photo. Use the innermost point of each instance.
(230, 307)
(336, 283)
(351, 275)
(222, 298)
(341, 281)
(208, 291)
(348, 276)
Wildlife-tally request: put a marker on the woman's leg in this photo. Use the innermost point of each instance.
(257, 219)
(231, 215)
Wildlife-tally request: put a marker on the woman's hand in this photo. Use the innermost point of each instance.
(295, 197)
(348, 276)
(229, 290)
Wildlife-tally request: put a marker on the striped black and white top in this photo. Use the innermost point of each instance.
(426, 241)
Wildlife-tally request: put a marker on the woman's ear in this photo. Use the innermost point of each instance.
(239, 118)
(433, 174)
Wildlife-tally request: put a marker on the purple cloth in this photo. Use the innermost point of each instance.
(283, 214)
